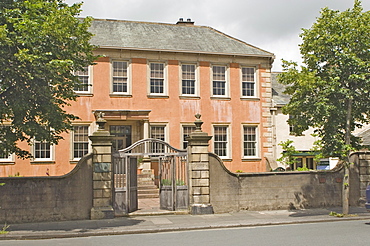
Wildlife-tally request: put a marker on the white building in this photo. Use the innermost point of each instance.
(282, 132)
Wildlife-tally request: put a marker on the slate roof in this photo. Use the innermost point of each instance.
(168, 37)
(365, 135)
(278, 95)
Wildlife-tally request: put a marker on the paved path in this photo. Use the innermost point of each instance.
(161, 223)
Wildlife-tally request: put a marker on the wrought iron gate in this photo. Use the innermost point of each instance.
(172, 175)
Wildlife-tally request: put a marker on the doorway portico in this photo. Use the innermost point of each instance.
(127, 126)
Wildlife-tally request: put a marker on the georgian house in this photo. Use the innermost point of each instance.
(150, 80)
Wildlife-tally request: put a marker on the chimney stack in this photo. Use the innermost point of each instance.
(188, 22)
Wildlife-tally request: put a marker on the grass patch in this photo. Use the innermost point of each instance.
(335, 214)
(4, 229)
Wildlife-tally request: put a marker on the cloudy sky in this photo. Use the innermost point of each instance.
(273, 25)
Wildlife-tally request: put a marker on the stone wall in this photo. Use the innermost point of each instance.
(360, 176)
(273, 190)
(34, 199)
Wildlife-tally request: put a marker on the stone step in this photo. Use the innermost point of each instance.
(145, 196)
(145, 183)
(145, 176)
(147, 187)
(140, 181)
(148, 192)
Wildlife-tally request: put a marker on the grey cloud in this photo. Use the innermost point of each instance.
(272, 25)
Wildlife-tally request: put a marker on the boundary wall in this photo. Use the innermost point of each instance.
(273, 190)
(54, 198)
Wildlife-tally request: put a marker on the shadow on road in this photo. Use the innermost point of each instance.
(80, 225)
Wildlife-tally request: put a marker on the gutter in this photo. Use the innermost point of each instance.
(187, 51)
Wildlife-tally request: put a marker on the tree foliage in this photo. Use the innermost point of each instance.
(288, 155)
(331, 91)
(41, 43)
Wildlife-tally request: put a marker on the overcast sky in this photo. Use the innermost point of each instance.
(273, 25)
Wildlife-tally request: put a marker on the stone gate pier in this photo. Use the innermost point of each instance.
(198, 161)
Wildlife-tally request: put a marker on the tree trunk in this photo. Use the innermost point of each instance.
(345, 193)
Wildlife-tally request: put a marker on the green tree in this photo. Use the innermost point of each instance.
(41, 43)
(331, 91)
(288, 155)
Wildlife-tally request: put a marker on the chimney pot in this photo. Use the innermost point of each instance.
(188, 22)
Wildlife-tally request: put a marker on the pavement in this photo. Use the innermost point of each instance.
(161, 221)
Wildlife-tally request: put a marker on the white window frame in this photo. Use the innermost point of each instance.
(89, 81)
(182, 140)
(10, 157)
(165, 82)
(228, 140)
(256, 141)
(51, 149)
(158, 148)
(164, 125)
(196, 79)
(227, 81)
(73, 141)
(255, 81)
(128, 77)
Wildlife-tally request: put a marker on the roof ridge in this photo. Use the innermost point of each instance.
(147, 22)
(241, 41)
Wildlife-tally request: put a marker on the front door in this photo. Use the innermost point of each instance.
(121, 137)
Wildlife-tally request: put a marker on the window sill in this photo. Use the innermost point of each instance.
(158, 96)
(42, 162)
(226, 159)
(84, 94)
(251, 159)
(190, 97)
(74, 162)
(120, 95)
(220, 98)
(7, 162)
(250, 99)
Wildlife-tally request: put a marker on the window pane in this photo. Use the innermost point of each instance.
(250, 141)
(219, 73)
(80, 141)
(157, 132)
(120, 76)
(157, 70)
(188, 79)
(83, 77)
(188, 87)
(186, 132)
(248, 81)
(157, 78)
(42, 150)
(219, 88)
(219, 80)
(3, 132)
(220, 140)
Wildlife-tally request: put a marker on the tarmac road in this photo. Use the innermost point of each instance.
(155, 223)
(323, 233)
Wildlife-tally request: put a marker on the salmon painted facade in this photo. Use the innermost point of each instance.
(150, 81)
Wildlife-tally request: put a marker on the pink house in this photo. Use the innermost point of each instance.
(150, 81)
